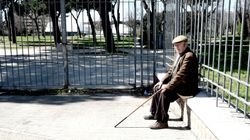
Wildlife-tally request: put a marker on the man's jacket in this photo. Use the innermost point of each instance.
(183, 78)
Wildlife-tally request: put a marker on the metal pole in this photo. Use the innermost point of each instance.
(64, 43)
(232, 50)
(240, 53)
(176, 17)
(154, 39)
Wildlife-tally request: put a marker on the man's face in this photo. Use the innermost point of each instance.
(180, 47)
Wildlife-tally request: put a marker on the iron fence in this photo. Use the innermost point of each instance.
(86, 44)
(219, 32)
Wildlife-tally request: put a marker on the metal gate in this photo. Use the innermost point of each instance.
(87, 43)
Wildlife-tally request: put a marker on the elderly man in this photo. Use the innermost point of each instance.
(180, 80)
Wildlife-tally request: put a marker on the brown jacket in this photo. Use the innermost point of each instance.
(184, 78)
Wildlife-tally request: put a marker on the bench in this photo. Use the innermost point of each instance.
(182, 102)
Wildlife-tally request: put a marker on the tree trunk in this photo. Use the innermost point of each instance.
(8, 25)
(56, 30)
(92, 27)
(12, 21)
(43, 27)
(116, 25)
(248, 23)
(245, 31)
(118, 17)
(37, 27)
(149, 26)
(78, 27)
(107, 31)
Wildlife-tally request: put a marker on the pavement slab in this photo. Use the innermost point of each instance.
(82, 117)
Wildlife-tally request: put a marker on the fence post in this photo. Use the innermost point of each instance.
(64, 43)
(177, 17)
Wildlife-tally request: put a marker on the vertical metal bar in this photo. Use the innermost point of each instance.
(215, 42)
(64, 43)
(78, 47)
(205, 49)
(112, 57)
(94, 45)
(226, 47)
(180, 17)
(232, 50)
(185, 17)
(219, 54)
(142, 38)
(17, 59)
(247, 81)
(6, 63)
(148, 36)
(123, 61)
(210, 38)
(22, 54)
(154, 38)
(134, 34)
(164, 33)
(107, 55)
(83, 57)
(240, 53)
(51, 54)
(72, 80)
(41, 23)
(191, 28)
(177, 19)
(198, 44)
(201, 38)
(58, 61)
(141, 47)
(195, 27)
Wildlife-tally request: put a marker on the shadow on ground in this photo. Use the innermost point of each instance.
(60, 99)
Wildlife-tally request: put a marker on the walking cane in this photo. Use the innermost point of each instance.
(138, 107)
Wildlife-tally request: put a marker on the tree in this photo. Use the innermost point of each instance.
(34, 9)
(8, 8)
(73, 5)
(248, 17)
(54, 9)
(241, 17)
(104, 8)
(116, 21)
(196, 11)
(4, 6)
(148, 24)
(92, 26)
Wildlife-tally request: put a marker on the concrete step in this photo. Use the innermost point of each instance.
(210, 122)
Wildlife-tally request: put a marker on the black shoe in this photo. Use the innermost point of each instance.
(159, 125)
(149, 117)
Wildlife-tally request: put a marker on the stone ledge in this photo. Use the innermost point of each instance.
(210, 122)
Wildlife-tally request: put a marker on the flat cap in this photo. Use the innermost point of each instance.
(180, 38)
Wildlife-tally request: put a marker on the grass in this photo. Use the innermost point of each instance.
(87, 41)
(231, 85)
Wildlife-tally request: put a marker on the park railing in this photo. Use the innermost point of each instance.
(219, 32)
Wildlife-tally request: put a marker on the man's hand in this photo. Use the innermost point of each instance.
(158, 86)
(163, 88)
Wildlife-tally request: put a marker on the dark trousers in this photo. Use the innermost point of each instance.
(160, 105)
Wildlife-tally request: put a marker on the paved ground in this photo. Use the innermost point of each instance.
(81, 117)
